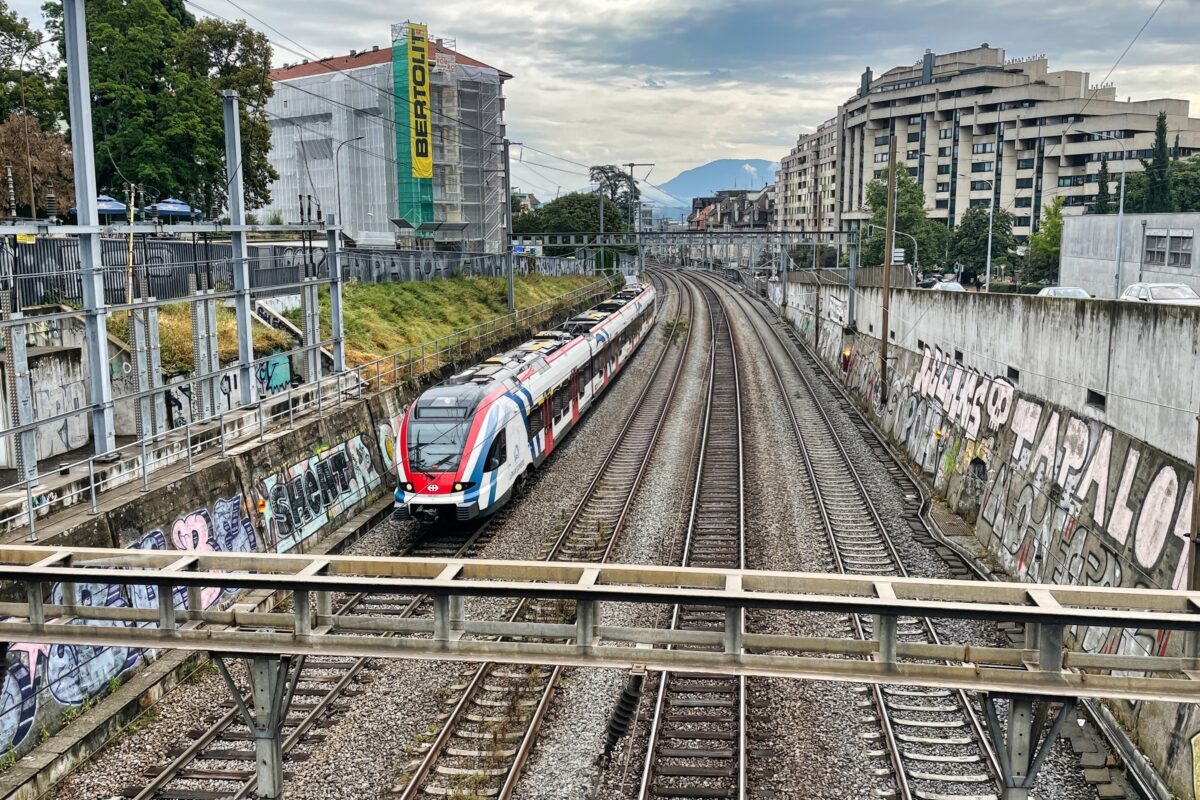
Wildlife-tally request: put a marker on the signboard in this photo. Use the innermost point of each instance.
(26, 238)
(897, 256)
(418, 105)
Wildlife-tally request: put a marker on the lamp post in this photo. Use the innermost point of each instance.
(1120, 214)
(337, 178)
(987, 278)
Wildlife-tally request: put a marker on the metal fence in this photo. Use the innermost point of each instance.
(46, 271)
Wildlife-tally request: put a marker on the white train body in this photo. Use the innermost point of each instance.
(465, 444)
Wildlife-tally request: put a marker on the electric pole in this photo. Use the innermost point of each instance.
(508, 245)
(889, 239)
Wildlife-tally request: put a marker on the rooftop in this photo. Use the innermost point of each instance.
(367, 58)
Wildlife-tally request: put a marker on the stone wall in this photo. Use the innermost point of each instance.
(1056, 494)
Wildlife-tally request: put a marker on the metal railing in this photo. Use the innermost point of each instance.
(228, 427)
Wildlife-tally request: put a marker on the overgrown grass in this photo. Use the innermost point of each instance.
(384, 318)
(175, 336)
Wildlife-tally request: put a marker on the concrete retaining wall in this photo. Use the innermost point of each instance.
(282, 494)
(1058, 491)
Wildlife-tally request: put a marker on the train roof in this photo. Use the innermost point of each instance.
(463, 391)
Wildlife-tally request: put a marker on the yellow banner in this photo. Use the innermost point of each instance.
(26, 238)
(418, 105)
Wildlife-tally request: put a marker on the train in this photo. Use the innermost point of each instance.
(468, 444)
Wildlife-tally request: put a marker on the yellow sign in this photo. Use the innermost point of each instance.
(418, 101)
(26, 238)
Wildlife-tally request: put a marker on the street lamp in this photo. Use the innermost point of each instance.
(1120, 213)
(916, 247)
(987, 278)
(337, 178)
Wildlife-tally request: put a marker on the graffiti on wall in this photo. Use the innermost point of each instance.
(41, 681)
(304, 497)
(274, 375)
(389, 429)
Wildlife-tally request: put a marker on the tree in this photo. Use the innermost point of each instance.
(1042, 256)
(578, 212)
(1158, 178)
(1184, 178)
(931, 235)
(620, 187)
(25, 69)
(1103, 204)
(231, 55)
(51, 158)
(969, 244)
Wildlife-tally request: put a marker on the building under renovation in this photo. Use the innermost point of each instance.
(412, 133)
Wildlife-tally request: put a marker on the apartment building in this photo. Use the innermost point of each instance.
(973, 126)
(356, 109)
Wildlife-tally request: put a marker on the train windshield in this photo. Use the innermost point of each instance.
(436, 446)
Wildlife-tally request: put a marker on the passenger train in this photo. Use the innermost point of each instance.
(465, 445)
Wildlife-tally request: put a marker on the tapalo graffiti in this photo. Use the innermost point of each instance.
(305, 496)
(388, 431)
(41, 681)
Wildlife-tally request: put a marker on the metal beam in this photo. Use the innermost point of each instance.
(240, 251)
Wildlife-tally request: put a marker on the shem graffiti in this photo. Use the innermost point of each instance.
(305, 496)
(41, 681)
(274, 374)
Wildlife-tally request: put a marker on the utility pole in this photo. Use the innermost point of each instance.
(1193, 584)
(889, 243)
(600, 237)
(508, 245)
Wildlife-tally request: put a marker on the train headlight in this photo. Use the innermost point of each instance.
(408, 487)
(463, 485)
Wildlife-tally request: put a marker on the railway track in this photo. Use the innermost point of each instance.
(219, 763)
(932, 739)
(698, 728)
(486, 740)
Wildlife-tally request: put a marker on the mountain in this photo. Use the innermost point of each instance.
(726, 173)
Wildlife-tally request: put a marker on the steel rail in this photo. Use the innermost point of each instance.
(644, 414)
(176, 767)
(716, 432)
(902, 778)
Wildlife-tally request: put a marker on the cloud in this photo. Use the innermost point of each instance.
(683, 82)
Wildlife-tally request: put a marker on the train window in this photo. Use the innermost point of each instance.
(535, 422)
(584, 378)
(561, 402)
(497, 454)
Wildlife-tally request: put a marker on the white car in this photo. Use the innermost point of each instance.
(949, 286)
(1064, 291)
(1177, 294)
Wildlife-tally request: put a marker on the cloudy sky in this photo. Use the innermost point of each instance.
(681, 82)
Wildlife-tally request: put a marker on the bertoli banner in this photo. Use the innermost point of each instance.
(418, 105)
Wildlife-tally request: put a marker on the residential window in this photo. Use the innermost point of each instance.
(983, 147)
(881, 158)
(1024, 202)
(882, 140)
(943, 169)
(1168, 248)
(979, 202)
(946, 133)
(1024, 183)
(1024, 163)
(983, 166)
(980, 186)
(913, 172)
(1072, 180)
(1021, 222)
(914, 120)
(879, 173)
(912, 155)
(915, 136)
(942, 204)
(943, 186)
(944, 152)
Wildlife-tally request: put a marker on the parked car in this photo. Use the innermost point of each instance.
(1064, 291)
(927, 283)
(1178, 294)
(949, 286)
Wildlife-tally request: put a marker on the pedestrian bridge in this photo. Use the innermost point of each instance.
(1049, 667)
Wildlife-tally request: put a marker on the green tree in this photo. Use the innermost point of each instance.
(26, 69)
(1103, 204)
(1158, 178)
(1042, 257)
(620, 187)
(1185, 184)
(231, 55)
(969, 244)
(931, 235)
